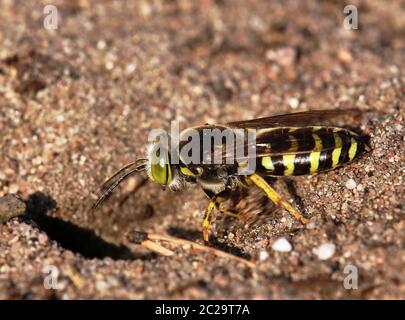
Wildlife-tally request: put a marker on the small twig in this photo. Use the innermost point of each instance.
(146, 239)
(152, 246)
(75, 277)
(141, 238)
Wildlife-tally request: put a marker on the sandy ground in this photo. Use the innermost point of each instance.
(78, 102)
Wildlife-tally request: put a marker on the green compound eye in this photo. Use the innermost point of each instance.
(160, 169)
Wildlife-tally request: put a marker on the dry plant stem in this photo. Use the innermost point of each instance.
(152, 246)
(182, 242)
(75, 277)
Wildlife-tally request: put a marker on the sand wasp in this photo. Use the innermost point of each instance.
(284, 145)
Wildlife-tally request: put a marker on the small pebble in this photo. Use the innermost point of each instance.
(102, 285)
(101, 44)
(325, 251)
(130, 68)
(145, 8)
(10, 207)
(4, 269)
(13, 188)
(263, 255)
(345, 56)
(293, 103)
(350, 184)
(281, 245)
(37, 161)
(285, 57)
(109, 65)
(311, 225)
(42, 238)
(186, 246)
(399, 127)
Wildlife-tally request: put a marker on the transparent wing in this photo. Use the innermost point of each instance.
(300, 119)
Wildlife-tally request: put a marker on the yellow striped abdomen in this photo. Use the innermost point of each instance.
(310, 150)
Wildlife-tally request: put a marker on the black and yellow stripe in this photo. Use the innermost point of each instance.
(308, 150)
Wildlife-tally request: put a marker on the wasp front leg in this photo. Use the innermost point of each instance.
(215, 202)
(207, 218)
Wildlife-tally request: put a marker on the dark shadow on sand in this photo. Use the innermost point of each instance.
(70, 236)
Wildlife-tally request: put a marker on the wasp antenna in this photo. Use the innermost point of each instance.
(133, 166)
(141, 164)
(108, 186)
(106, 193)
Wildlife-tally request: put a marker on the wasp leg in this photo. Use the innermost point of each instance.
(207, 218)
(275, 197)
(215, 202)
(232, 213)
(227, 211)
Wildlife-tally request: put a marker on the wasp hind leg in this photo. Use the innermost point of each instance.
(275, 197)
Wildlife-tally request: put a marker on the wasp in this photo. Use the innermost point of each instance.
(285, 145)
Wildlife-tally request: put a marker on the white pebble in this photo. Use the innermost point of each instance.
(350, 184)
(281, 245)
(311, 225)
(145, 9)
(109, 65)
(263, 255)
(130, 68)
(42, 238)
(13, 188)
(293, 103)
(325, 251)
(4, 269)
(37, 161)
(102, 285)
(101, 44)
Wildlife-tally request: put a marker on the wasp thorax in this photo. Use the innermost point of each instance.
(159, 165)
